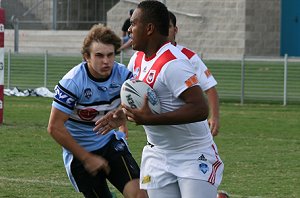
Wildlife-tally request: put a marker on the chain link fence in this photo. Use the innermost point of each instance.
(266, 80)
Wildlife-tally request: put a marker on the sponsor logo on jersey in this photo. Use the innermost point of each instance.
(87, 114)
(119, 146)
(191, 81)
(202, 158)
(203, 167)
(136, 72)
(102, 88)
(146, 179)
(150, 77)
(114, 85)
(152, 97)
(207, 73)
(63, 97)
(88, 93)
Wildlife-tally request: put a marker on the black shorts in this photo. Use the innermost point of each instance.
(123, 168)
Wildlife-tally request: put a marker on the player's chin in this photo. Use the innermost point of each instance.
(133, 46)
(105, 73)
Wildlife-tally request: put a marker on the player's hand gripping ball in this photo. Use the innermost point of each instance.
(133, 93)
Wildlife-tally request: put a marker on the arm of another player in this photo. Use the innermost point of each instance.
(213, 101)
(124, 129)
(111, 120)
(59, 133)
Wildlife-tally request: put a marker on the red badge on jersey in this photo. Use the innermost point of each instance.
(87, 114)
(151, 76)
(192, 81)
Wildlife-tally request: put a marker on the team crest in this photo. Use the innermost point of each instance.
(146, 179)
(151, 76)
(203, 167)
(88, 93)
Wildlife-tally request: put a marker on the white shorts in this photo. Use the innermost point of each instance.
(160, 167)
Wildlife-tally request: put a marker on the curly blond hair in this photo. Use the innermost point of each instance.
(100, 33)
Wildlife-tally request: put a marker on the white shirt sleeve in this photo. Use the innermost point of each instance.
(177, 75)
(206, 79)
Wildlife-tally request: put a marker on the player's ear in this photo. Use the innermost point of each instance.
(175, 29)
(86, 57)
(150, 28)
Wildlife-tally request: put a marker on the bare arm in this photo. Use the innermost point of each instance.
(125, 45)
(213, 101)
(60, 134)
(195, 109)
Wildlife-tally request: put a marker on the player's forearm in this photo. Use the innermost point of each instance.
(213, 102)
(62, 137)
(188, 113)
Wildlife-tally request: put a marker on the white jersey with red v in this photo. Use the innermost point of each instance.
(170, 73)
(152, 73)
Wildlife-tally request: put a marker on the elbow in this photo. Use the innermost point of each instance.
(51, 129)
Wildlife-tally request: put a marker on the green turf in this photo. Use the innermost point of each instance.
(259, 144)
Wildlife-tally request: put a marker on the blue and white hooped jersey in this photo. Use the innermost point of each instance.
(87, 99)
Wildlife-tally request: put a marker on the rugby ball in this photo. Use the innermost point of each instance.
(133, 93)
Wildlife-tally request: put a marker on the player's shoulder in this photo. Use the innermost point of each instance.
(121, 70)
(75, 72)
(175, 58)
(171, 50)
(189, 53)
(120, 66)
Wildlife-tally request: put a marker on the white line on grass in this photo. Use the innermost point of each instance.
(34, 181)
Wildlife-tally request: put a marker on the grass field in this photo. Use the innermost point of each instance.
(259, 144)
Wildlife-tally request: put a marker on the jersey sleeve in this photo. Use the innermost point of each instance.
(65, 97)
(179, 76)
(206, 79)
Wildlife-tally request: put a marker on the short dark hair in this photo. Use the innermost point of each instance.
(157, 13)
(131, 11)
(172, 18)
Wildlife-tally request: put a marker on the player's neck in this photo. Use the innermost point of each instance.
(154, 46)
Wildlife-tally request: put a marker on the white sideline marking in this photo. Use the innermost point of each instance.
(34, 181)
